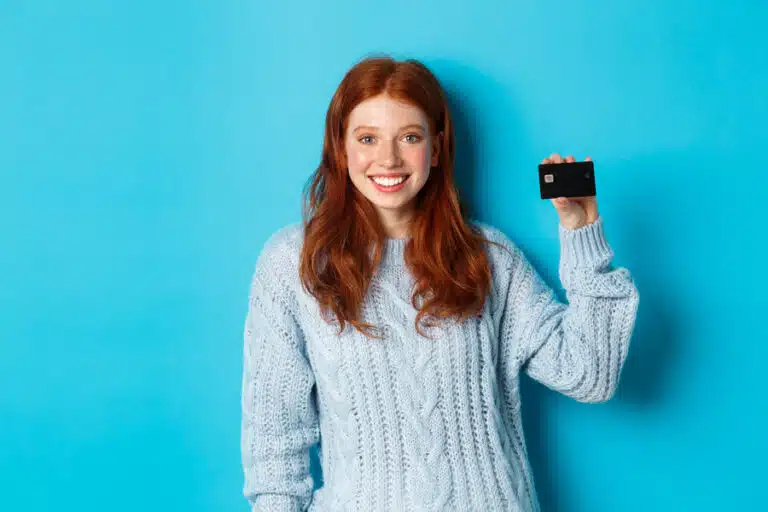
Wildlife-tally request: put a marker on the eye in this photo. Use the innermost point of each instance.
(415, 138)
(364, 139)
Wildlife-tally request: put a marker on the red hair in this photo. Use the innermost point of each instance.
(445, 254)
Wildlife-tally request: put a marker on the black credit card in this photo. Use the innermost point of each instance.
(575, 179)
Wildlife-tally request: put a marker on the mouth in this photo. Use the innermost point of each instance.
(389, 183)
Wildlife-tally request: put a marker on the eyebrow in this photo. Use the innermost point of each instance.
(420, 127)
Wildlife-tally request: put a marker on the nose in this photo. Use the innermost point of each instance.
(389, 155)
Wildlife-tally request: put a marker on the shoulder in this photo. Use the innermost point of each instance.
(280, 254)
(287, 239)
(490, 232)
(502, 251)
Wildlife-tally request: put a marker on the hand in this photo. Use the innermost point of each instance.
(574, 212)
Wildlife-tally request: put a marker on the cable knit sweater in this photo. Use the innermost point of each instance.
(408, 423)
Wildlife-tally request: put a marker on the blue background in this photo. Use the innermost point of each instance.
(147, 150)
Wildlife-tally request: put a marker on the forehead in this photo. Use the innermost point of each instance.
(381, 110)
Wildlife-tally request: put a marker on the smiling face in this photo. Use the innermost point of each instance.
(390, 151)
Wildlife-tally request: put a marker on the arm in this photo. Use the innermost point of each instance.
(577, 349)
(279, 416)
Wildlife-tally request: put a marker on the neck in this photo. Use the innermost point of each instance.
(396, 223)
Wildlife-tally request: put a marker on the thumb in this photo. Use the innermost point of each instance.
(561, 203)
(570, 212)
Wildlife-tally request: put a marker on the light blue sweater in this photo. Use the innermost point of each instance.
(407, 423)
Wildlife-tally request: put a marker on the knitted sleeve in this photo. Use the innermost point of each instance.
(279, 414)
(577, 348)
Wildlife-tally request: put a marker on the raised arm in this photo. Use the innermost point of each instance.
(577, 348)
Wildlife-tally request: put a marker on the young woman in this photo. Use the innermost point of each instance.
(392, 330)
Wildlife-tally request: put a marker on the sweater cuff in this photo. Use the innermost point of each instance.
(277, 503)
(585, 246)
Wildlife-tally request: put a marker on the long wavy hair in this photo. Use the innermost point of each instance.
(343, 236)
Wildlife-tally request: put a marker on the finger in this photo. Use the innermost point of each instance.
(586, 201)
(546, 161)
(569, 159)
(578, 200)
(588, 159)
(556, 158)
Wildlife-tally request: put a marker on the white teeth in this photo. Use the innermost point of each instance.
(389, 182)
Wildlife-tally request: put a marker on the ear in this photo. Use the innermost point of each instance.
(437, 143)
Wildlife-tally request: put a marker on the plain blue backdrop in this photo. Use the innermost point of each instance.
(148, 149)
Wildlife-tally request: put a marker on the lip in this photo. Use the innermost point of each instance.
(395, 188)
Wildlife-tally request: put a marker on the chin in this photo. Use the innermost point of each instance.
(388, 205)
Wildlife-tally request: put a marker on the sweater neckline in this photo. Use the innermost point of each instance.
(393, 253)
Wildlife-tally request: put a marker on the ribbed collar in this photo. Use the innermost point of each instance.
(394, 252)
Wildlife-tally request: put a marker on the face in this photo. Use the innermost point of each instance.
(389, 154)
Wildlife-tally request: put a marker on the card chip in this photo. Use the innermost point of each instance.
(549, 178)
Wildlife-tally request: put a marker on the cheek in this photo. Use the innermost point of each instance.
(418, 157)
(359, 159)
